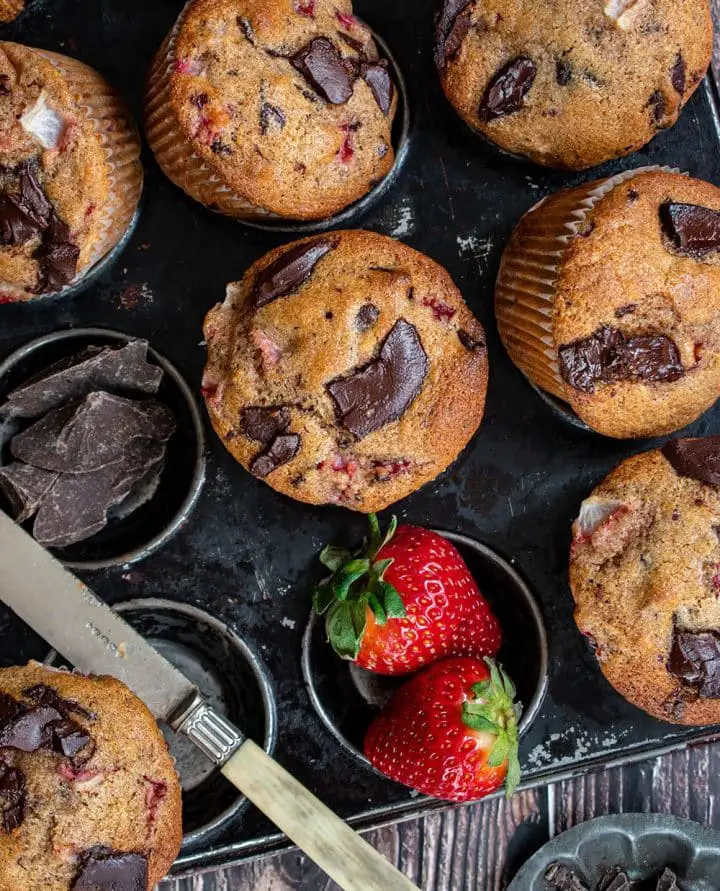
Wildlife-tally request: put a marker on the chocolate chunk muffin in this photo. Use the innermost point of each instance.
(345, 369)
(10, 9)
(277, 108)
(89, 797)
(70, 174)
(645, 575)
(571, 84)
(608, 297)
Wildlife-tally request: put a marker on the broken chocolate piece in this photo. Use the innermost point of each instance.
(694, 230)
(290, 270)
(667, 881)
(41, 694)
(677, 74)
(564, 879)
(57, 256)
(382, 391)
(264, 424)
(12, 796)
(470, 343)
(42, 727)
(381, 86)
(697, 458)
(281, 450)
(451, 27)
(563, 72)
(102, 869)
(366, 317)
(24, 487)
(695, 660)
(616, 880)
(657, 104)
(608, 355)
(323, 68)
(506, 91)
(270, 114)
(95, 368)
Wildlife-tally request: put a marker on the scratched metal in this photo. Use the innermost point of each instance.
(247, 554)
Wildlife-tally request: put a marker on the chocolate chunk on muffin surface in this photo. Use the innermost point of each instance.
(571, 84)
(359, 384)
(645, 575)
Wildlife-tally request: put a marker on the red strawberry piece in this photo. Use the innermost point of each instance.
(450, 732)
(306, 7)
(404, 600)
(346, 150)
(346, 20)
(440, 310)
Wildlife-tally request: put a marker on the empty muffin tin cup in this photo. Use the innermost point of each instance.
(125, 539)
(235, 682)
(348, 698)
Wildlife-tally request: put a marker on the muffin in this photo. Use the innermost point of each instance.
(89, 797)
(271, 108)
(608, 297)
(10, 9)
(645, 575)
(345, 369)
(70, 174)
(571, 84)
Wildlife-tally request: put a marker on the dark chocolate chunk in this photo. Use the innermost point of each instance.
(506, 92)
(564, 879)
(264, 424)
(694, 230)
(668, 881)
(470, 343)
(106, 368)
(27, 213)
(616, 880)
(57, 256)
(381, 392)
(697, 458)
(41, 694)
(69, 738)
(269, 114)
(15, 225)
(200, 100)
(451, 27)
(246, 27)
(24, 487)
(677, 74)
(657, 104)
(626, 310)
(608, 355)
(47, 725)
(290, 270)
(102, 869)
(366, 317)
(279, 452)
(218, 147)
(563, 72)
(4, 88)
(381, 86)
(695, 660)
(10, 708)
(31, 730)
(12, 796)
(323, 68)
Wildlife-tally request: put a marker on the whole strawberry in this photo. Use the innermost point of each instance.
(450, 732)
(405, 600)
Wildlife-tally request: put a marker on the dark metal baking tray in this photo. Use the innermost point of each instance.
(246, 554)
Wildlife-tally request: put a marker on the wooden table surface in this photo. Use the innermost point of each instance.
(480, 847)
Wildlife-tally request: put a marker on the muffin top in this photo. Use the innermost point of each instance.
(53, 177)
(88, 791)
(645, 574)
(345, 369)
(287, 100)
(567, 83)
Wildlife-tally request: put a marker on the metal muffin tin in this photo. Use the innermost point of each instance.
(248, 556)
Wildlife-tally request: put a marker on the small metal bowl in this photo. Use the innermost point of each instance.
(348, 698)
(125, 539)
(235, 682)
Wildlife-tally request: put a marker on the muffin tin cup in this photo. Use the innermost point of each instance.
(348, 698)
(198, 179)
(126, 539)
(525, 287)
(236, 683)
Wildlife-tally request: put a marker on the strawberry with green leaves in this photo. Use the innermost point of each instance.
(406, 599)
(450, 731)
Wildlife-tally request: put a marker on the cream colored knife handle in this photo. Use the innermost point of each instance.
(348, 859)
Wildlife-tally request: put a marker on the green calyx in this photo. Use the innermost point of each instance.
(494, 710)
(357, 582)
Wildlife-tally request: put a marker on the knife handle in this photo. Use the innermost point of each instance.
(314, 828)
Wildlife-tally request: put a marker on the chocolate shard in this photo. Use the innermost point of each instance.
(451, 27)
(270, 115)
(263, 424)
(123, 368)
(102, 869)
(615, 880)
(693, 230)
(45, 726)
(506, 91)
(24, 487)
(366, 317)
(608, 355)
(697, 458)
(322, 66)
(281, 450)
(31, 730)
(678, 74)
(667, 881)
(376, 76)
(381, 392)
(41, 694)
(470, 343)
(57, 256)
(563, 878)
(695, 661)
(290, 270)
(12, 797)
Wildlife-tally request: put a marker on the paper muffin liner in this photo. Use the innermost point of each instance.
(120, 142)
(10, 9)
(529, 272)
(173, 150)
